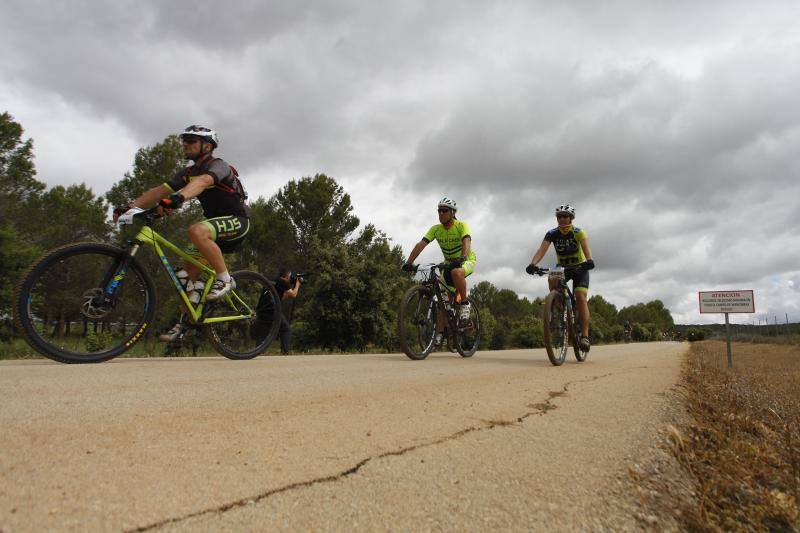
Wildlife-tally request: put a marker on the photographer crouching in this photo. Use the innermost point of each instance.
(287, 285)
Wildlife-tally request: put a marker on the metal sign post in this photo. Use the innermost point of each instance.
(728, 337)
(727, 302)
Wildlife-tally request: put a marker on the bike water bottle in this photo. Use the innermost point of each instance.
(195, 291)
(183, 277)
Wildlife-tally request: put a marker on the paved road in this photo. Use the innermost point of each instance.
(362, 442)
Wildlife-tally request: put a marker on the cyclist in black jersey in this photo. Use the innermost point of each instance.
(572, 249)
(227, 215)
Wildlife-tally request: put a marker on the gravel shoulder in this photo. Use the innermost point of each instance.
(361, 442)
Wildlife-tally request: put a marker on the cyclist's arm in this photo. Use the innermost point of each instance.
(587, 252)
(540, 252)
(466, 246)
(417, 250)
(291, 293)
(150, 197)
(197, 186)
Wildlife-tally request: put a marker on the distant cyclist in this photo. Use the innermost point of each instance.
(572, 249)
(227, 216)
(455, 241)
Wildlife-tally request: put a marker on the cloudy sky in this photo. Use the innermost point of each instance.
(669, 125)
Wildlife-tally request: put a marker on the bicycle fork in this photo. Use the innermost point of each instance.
(114, 277)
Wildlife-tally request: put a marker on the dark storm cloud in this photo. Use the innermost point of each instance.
(311, 83)
(643, 131)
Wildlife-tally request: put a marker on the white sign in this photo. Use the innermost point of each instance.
(727, 302)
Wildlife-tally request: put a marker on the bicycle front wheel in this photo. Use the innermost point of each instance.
(60, 310)
(254, 312)
(554, 319)
(416, 323)
(469, 331)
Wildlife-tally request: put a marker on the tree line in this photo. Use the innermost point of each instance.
(511, 321)
(350, 300)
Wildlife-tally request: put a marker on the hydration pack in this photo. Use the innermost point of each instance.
(237, 188)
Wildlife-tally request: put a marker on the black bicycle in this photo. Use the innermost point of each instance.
(90, 302)
(432, 302)
(561, 323)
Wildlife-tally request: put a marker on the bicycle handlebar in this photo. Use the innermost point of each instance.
(565, 268)
(147, 214)
(431, 266)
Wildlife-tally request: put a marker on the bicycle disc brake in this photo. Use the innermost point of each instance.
(91, 306)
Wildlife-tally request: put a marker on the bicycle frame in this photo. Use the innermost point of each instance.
(435, 282)
(147, 235)
(563, 287)
(570, 302)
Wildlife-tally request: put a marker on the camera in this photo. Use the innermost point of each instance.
(299, 276)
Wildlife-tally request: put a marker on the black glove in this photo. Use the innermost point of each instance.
(173, 201)
(588, 264)
(408, 267)
(456, 263)
(531, 269)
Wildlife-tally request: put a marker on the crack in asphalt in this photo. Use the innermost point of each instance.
(539, 409)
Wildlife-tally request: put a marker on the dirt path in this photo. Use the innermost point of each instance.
(331, 442)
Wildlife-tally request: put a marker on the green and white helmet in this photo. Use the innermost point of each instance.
(447, 202)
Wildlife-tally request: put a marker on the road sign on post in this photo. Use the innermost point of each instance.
(727, 302)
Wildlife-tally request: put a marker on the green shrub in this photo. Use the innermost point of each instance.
(696, 334)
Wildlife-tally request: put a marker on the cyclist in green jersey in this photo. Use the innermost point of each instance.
(572, 249)
(455, 241)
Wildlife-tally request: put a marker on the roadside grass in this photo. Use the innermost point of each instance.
(741, 445)
(17, 349)
(788, 338)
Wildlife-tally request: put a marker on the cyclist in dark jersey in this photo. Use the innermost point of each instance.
(227, 216)
(572, 249)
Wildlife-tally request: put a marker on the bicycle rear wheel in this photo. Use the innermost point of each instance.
(574, 337)
(59, 307)
(256, 301)
(554, 319)
(469, 331)
(416, 323)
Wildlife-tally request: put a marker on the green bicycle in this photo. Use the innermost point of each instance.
(90, 302)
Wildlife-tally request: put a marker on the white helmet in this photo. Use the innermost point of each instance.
(447, 202)
(202, 132)
(566, 208)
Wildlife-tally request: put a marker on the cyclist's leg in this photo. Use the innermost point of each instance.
(203, 236)
(580, 286)
(583, 310)
(215, 236)
(441, 325)
(459, 277)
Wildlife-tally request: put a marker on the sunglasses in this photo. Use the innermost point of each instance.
(562, 215)
(189, 140)
(443, 210)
